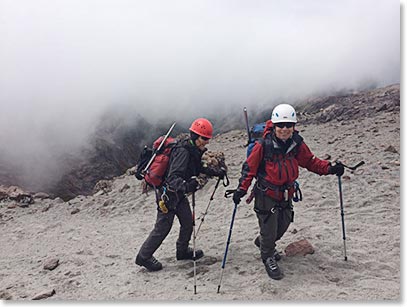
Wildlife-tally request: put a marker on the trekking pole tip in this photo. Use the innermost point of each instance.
(346, 258)
(218, 289)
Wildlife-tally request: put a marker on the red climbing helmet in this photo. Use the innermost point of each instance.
(202, 127)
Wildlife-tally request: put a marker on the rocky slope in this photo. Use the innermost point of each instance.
(116, 145)
(84, 248)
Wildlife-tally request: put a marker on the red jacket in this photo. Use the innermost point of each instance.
(275, 164)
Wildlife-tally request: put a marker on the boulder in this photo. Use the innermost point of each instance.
(15, 193)
(302, 247)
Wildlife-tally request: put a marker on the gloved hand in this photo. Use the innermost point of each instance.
(139, 176)
(191, 185)
(237, 195)
(336, 169)
(221, 173)
(215, 173)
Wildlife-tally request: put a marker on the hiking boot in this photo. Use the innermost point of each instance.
(276, 254)
(150, 264)
(272, 268)
(189, 254)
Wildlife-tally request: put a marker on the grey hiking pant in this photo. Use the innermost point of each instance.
(274, 217)
(163, 226)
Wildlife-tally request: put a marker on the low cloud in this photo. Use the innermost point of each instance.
(64, 63)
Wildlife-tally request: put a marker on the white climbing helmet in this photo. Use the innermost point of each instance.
(283, 113)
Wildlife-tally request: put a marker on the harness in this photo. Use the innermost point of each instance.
(272, 211)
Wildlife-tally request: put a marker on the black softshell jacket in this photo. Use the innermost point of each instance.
(185, 162)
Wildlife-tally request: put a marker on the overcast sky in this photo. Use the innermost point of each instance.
(63, 61)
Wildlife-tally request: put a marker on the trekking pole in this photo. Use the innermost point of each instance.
(247, 125)
(227, 246)
(206, 211)
(193, 239)
(158, 149)
(341, 203)
(342, 216)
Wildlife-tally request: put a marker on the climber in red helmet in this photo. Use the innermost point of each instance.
(184, 166)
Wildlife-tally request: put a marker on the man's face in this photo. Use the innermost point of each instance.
(201, 142)
(284, 130)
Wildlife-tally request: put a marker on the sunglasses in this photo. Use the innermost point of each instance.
(282, 125)
(204, 138)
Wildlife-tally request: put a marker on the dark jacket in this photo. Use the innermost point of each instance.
(185, 162)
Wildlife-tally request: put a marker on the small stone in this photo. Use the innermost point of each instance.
(23, 205)
(382, 108)
(107, 202)
(11, 206)
(41, 195)
(125, 187)
(44, 295)
(391, 149)
(4, 295)
(46, 208)
(74, 211)
(131, 171)
(333, 279)
(51, 264)
(326, 157)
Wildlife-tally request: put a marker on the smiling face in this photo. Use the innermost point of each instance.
(284, 131)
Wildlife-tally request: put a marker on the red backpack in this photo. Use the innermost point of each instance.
(155, 174)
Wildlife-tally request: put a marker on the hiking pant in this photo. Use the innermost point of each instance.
(163, 226)
(274, 217)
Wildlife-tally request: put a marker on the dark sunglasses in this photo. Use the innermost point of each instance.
(282, 125)
(204, 138)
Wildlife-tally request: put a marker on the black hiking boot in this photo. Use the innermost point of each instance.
(276, 255)
(150, 264)
(272, 268)
(189, 254)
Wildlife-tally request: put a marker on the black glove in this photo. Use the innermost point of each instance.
(336, 169)
(191, 186)
(221, 173)
(215, 173)
(237, 195)
(139, 176)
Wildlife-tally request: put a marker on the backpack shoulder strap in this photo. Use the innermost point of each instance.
(297, 140)
(269, 147)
